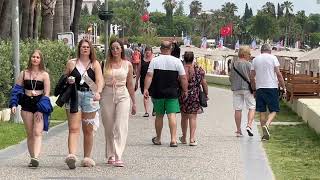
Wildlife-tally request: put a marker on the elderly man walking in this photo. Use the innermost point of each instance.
(165, 72)
(266, 75)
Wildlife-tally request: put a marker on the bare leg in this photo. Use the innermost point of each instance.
(28, 124)
(271, 116)
(173, 127)
(263, 118)
(158, 125)
(37, 136)
(87, 133)
(74, 120)
(193, 126)
(184, 125)
(237, 117)
(251, 113)
(146, 104)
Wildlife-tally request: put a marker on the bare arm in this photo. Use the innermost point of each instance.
(130, 83)
(184, 83)
(204, 86)
(19, 81)
(252, 79)
(99, 76)
(46, 81)
(138, 73)
(280, 77)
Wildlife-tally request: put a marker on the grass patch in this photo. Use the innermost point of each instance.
(13, 133)
(294, 152)
(286, 114)
(219, 86)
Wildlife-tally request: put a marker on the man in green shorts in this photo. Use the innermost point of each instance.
(164, 72)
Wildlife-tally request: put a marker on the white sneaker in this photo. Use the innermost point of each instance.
(266, 134)
(249, 130)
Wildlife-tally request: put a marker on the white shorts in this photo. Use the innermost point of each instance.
(243, 99)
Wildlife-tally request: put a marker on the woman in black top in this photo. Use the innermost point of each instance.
(79, 71)
(141, 74)
(36, 83)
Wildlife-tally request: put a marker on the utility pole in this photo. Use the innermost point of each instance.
(15, 50)
(106, 45)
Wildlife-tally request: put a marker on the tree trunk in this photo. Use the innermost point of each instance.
(47, 12)
(72, 6)
(1, 4)
(58, 19)
(5, 25)
(75, 24)
(66, 15)
(25, 19)
(31, 18)
(37, 14)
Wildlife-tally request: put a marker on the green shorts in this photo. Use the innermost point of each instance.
(166, 106)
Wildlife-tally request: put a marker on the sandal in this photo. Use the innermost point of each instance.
(182, 141)
(146, 114)
(155, 142)
(194, 143)
(71, 161)
(111, 160)
(118, 163)
(34, 162)
(87, 162)
(238, 134)
(173, 144)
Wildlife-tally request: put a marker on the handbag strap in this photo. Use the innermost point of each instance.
(241, 75)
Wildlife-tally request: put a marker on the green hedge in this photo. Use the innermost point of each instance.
(55, 55)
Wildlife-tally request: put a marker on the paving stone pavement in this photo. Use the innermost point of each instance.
(219, 154)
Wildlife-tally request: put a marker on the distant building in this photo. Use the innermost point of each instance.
(89, 4)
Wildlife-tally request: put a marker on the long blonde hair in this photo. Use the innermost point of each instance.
(107, 65)
(41, 65)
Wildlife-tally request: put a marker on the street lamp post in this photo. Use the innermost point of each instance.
(15, 50)
(106, 45)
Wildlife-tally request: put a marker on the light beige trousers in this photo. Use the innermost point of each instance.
(115, 109)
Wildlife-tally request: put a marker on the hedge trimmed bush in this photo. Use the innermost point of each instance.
(55, 54)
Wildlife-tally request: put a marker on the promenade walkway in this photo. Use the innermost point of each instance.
(219, 154)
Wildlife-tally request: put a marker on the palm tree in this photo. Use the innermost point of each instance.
(141, 6)
(25, 19)
(76, 19)
(58, 19)
(169, 5)
(269, 8)
(47, 12)
(66, 15)
(5, 24)
(204, 22)
(302, 20)
(229, 9)
(195, 8)
(288, 6)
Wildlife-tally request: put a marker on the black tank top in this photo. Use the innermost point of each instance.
(75, 73)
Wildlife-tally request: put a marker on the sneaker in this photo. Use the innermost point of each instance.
(265, 131)
(249, 130)
(71, 161)
(34, 162)
(146, 114)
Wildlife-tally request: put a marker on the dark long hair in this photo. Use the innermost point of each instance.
(92, 55)
(41, 65)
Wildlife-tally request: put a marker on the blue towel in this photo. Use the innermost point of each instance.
(44, 106)
(16, 93)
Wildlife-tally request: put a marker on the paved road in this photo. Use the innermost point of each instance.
(219, 154)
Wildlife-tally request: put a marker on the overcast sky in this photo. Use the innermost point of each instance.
(310, 6)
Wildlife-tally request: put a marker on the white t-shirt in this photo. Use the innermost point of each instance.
(166, 62)
(264, 66)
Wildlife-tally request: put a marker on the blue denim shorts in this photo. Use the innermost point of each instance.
(267, 97)
(86, 102)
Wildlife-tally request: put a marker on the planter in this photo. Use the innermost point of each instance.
(6, 114)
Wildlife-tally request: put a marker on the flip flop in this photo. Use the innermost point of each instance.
(155, 142)
(173, 144)
(181, 140)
